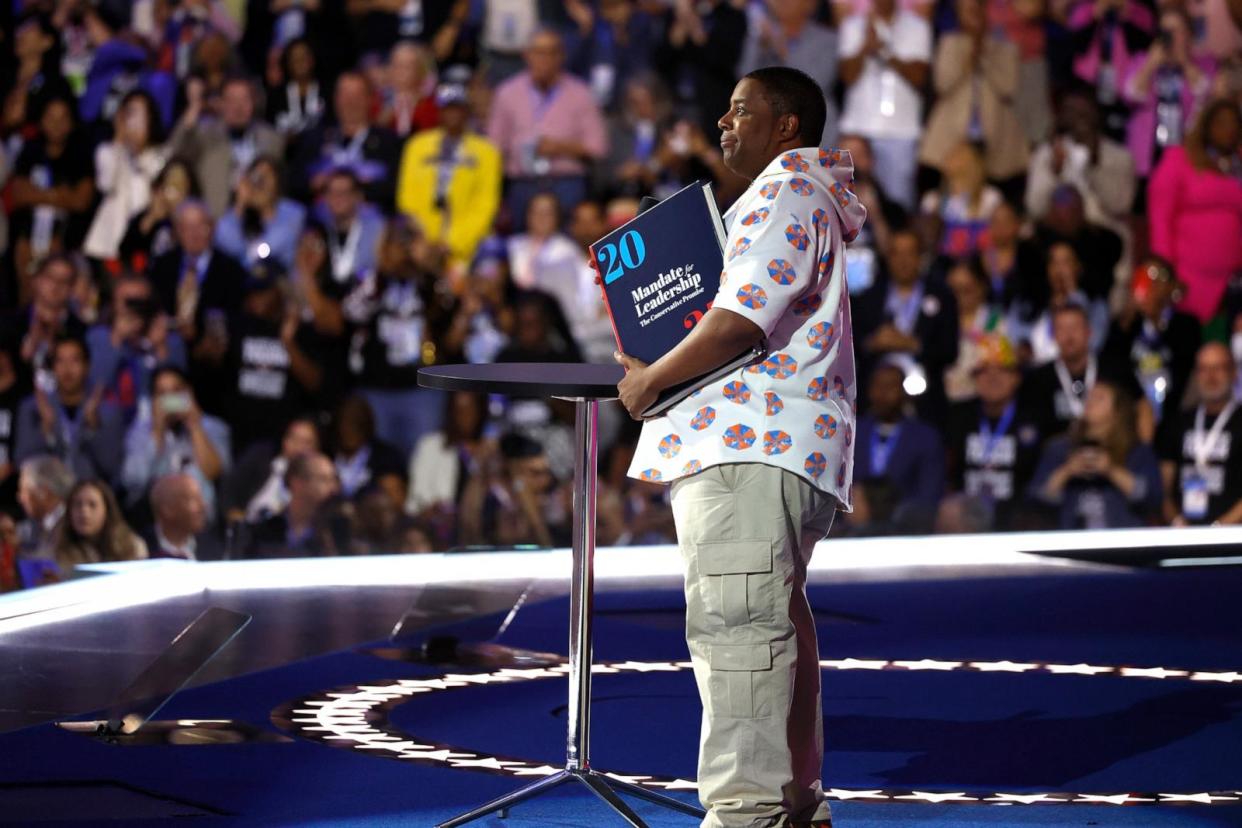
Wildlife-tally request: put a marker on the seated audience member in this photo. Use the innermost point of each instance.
(42, 489)
(150, 232)
(50, 192)
(963, 514)
(48, 317)
(256, 486)
(1063, 275)
(93, 530)
(398, 318)
(220, 148)
(352, 140)
(899, 460)
(1055, 392)
(515, 499)
(352, 229)
(1098, 248)
(297, 531)
(375, 528)
(262, 223)
(976, 318)
(483, 320)
(124, 170)
(361, 458)
(1156, 341)
(443, 461)
(71, 421)
(11, 396)
(173, 435)
(450, 180)
(544, 258)
(1098, 475)
(964, 203)
(1199, 449)
(907, 317)
(180, 517)
(547, 127)
(136, 339)
(1081, 156)
(1195, 208)
(1002, 258)
(992, 441)
(277, 363)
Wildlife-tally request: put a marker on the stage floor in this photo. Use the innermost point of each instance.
(965, 683)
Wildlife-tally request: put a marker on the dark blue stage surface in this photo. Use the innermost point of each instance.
(1039, 694)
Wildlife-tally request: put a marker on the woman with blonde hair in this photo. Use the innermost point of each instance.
(93, 529)
(1099, 476)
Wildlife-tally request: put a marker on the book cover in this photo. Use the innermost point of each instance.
(660, 272)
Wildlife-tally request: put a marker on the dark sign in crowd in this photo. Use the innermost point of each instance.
(235, 229)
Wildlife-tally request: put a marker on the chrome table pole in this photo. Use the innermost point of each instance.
(581, 605)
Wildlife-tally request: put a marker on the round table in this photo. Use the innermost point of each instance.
(585, 385)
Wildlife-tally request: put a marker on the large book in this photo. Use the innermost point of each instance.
(660, 272)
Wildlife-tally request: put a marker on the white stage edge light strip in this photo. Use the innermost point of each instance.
(126, 584)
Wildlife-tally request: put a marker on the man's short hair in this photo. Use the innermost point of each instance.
(791, 92)
(300, 466)
(1072, 307)
(62, 340)
(50, 473)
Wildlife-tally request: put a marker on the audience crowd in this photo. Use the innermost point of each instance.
(233, 231)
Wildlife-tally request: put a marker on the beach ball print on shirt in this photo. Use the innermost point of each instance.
(769, 191)
(782, 272)
(818, 389)
(829, 158)
(703, 418)
(776, 442)
(739, 247)
(651, 475)
(808, 305)
(693, 467)
(815, 464)
(825, 426)
(794, 162)
(802, 187)
(797, 237)
(755, 217)
(775, 404)
(841, 475)
(780, 366)
(819, 220)
(825, 264)
(737, 392)
(670, 446)
(752, 296)
(821, 335)
(739, 437)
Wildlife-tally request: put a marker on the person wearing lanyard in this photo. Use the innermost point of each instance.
(1201, 444)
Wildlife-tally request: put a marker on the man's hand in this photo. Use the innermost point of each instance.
(635, 393)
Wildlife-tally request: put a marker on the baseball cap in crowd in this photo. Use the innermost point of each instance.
(450, 94)
(996, 351)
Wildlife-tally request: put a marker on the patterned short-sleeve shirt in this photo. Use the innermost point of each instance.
(785, 271)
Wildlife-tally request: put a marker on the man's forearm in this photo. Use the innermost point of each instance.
(719, 336)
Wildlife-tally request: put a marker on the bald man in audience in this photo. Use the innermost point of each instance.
(180, 527)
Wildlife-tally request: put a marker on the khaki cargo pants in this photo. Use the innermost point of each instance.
(746, 532)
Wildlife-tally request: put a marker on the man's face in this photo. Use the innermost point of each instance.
(749, 136)
(300, 438)
(236, 105)
(1079, 118)
(319, 483)
(342, 198)
(185, 508)
(1072, 334)
(36, 501)
(351, 100)
(69, 367)
(454, 117)
(54, 285)
(904, 259)
(587, 224)
(193, 230)
(1214, 373)
(885, 391)
(1063, 269)
(996, 385)
(544, 58)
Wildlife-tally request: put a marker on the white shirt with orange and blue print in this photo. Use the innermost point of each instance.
(784, 271)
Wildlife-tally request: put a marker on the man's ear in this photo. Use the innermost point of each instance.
(789, 126)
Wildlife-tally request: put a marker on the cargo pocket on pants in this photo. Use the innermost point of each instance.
(728, 567)
(738, 679)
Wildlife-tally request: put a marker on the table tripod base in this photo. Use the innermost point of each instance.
(605, 787)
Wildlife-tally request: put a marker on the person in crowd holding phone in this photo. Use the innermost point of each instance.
(1199, 448)
(70, 419)
(135, 340)
(263, 223)
(1098, 475)
(150, 233)
(172, 434)
(256, 487)
(93, 530)
(762, 460)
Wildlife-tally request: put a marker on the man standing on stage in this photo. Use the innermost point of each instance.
(762, 458)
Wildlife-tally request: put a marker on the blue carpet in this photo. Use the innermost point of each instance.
(898, 730)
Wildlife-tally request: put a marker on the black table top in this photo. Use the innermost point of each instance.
(527, 379)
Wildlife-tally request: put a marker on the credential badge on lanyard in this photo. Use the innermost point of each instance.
(1195, 489)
